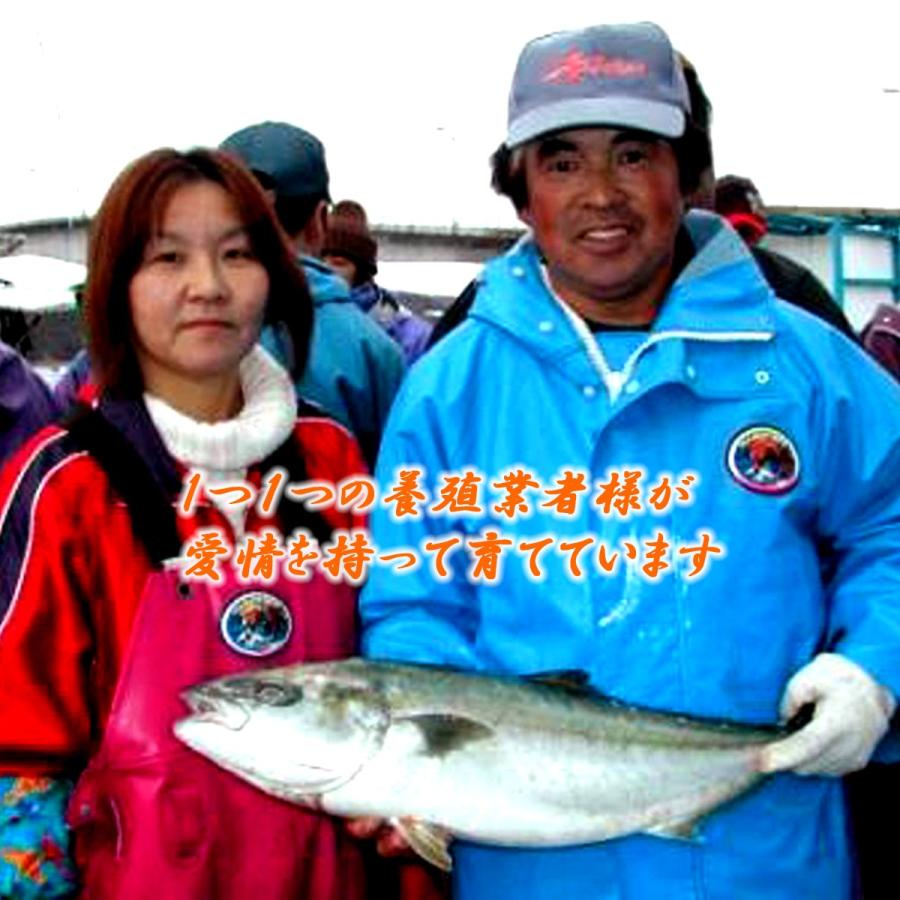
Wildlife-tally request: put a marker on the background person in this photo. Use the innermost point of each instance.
(26, 404)
(99, 631)
(354, 368)
(738, 201)
(625, 335)
(351, 250)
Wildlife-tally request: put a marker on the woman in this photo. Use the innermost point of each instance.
(100, 626)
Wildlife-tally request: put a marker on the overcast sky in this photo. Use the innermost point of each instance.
(410, 98)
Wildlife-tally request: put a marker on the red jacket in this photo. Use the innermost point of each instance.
(88, 677)
(72, 576)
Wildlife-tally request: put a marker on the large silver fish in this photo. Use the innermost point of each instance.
(444, 753)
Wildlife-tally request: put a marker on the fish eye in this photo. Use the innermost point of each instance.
(273, 693)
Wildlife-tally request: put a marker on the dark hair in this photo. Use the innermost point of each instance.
(294, 213)
(701, 108)
(691, 153)
(132, 212)
(737, 194)
(701, 114)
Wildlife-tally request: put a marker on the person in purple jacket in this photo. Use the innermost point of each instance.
(26, 404)
(351, 250)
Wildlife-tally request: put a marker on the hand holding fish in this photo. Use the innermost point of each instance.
(852, 712)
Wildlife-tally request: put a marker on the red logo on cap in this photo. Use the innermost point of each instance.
(575, 66)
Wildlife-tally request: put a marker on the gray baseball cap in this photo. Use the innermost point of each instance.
(288, 156)
(625, 76)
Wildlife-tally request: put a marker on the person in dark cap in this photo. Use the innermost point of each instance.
(635, 344)
(354, 368)
(351, 250)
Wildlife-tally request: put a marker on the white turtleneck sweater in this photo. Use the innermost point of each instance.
(223, 451)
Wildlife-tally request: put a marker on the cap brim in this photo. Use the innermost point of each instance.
(611, 112)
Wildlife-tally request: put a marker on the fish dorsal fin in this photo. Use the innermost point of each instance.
(574, 682)
(443, 732)
(430, 841)
(570, 679)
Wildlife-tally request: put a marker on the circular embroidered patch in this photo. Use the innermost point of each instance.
(256, 623)
(763, 459)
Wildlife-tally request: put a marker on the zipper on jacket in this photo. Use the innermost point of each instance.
(615, 380)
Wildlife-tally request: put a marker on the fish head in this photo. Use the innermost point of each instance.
(294, 732)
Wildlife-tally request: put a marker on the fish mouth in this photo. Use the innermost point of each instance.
(216, 710)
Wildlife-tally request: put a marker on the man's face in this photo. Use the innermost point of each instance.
(605, 207)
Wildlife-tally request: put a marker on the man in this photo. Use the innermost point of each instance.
(789, 280)
(354, 368)
(352, 251)
(626, 340)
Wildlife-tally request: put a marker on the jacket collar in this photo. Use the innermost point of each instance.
(325, 285)
(720, 296)
(130, 417)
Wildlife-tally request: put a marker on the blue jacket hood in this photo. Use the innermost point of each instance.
(325, 285)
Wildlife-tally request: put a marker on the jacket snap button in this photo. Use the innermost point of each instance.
(691, 372)
(545, 327)
(631, 387)
(762, 377)
(518, 271)
(589, 391)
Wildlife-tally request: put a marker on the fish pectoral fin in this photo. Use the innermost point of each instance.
(443, 733)
(430, 841)
(680, 829)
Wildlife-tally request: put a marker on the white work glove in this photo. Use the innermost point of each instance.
(851, 716)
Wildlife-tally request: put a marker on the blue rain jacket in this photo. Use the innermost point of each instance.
(524, 384)
(354, 368)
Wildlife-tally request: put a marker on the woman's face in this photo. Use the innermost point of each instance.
(198, 296)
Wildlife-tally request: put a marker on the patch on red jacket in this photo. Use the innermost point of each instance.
(256, 623)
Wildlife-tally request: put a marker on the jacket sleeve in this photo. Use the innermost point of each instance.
(370, 401)
(332, 454)
(45, 637)
(412, 615)
(859, 515)
(44, 643)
